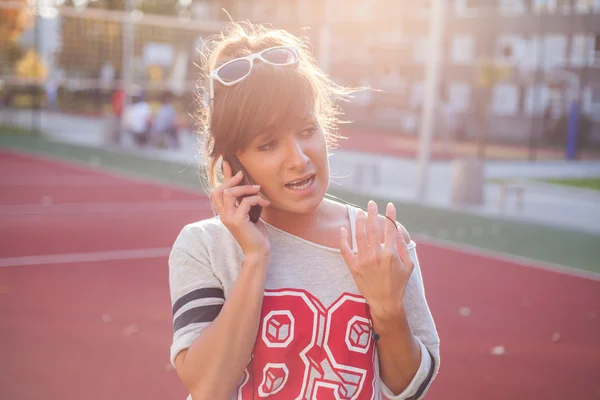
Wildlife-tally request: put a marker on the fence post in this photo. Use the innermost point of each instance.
(573, 128)
(432, 72)
(128, 48)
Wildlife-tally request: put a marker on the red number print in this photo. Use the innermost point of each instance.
(306, 351)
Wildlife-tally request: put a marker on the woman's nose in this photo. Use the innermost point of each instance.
(296, 156)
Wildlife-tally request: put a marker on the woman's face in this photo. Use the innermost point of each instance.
(291, 167)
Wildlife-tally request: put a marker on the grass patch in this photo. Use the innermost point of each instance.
(10, 130)
(582, 183)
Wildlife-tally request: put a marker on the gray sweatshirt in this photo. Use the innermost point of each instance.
(314, 338)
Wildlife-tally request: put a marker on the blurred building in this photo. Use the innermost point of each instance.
(521, 62)
(544, 54)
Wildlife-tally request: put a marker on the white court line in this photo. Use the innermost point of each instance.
(90, 208)
(446, 244)
(506, 257)
(70, 258)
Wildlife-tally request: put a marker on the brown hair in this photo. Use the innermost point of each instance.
(269, 99)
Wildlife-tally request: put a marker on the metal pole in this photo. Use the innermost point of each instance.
(325, 38)
(128, 48)
(432, 72)
(37, 85)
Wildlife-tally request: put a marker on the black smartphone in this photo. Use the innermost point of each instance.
(236, 166)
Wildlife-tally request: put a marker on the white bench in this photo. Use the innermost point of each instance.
(509, 188)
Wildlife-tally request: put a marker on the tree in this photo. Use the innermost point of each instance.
(32, 66)
(13, 21)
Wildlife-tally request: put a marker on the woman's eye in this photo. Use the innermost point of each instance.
(267, 146)
(309, 131)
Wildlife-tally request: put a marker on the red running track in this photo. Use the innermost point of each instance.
(98, 326)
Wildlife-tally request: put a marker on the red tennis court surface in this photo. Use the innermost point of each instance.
(85, 304)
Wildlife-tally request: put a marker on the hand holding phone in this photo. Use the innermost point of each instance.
(236, 167)
(234, 200)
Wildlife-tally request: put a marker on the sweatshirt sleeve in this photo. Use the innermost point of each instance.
(197, 295)
(423, 327)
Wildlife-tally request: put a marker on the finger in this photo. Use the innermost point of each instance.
(403, 252)
(217, 193)
(231, 196)
(247, 202)
(245, 190)
(226, 170)
(391, 231)
(228, 203)
(231, 181)
(373, 227)
(361, 233)
(349, 257)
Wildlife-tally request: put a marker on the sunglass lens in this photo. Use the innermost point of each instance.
(234, 71)
(280, 56)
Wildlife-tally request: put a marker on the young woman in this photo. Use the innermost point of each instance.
(316, 299)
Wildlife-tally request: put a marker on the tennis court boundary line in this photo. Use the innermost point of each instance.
(94, 256)
(441, 243)
(521, 261)
(160, 252)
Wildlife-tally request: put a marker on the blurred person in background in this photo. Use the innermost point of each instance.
(51, 94)
(137, 118)
(164, 125)
(114, 123)
(285, 293)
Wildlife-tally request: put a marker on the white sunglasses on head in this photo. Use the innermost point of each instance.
(238, 69)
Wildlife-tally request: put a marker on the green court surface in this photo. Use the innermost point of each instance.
(539, 242)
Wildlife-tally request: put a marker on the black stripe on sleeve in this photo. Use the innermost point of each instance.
(203, 293)
(426, 381)
(196, 315)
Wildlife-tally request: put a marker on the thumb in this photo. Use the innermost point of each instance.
(345, 248)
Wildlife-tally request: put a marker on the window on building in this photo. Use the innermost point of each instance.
(471, 8)
(591, 101)
(584, 6)
(416, 94)
(554, 51)
(505, 99)
(460, 95)
(564, 6)
(544, 6)
(537, 98)
(531, 58)
(462, 51)
(511, 7)
(582, 51)
(510, 49)
(475, 3)
(420, 49)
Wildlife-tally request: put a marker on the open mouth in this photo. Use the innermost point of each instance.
(301, 184)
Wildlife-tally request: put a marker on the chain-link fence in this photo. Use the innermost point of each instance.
(74, 59)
